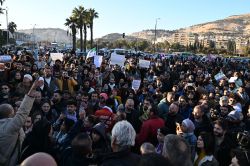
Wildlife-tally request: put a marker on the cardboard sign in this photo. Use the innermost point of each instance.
(55, 56)
(117, 59)
(136, 84)
(98, 60)
(144, 63)
(5, 58)
(219, 76)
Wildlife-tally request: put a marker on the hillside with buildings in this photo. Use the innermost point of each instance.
(234, 28)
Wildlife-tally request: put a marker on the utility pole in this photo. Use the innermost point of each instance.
(7, 25)
(155, 33)
(34, 37)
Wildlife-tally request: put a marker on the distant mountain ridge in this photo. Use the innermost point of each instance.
(236, 25)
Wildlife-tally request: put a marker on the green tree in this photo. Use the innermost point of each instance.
(80, 15)
(12, 27)
(92, 14)
(71, 23)
(231, 46)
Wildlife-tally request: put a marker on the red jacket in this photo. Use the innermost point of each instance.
(148, 132)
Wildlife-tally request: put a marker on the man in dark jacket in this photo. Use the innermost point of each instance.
(77, 154)
(200, 120)
(223, 143)
(123, 137)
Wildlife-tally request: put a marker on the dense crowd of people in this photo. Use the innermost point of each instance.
(71, 112)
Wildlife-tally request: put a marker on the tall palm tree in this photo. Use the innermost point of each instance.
(71, 23)
(1, 2)
(92, 14)
(12, 27)
(80, 15)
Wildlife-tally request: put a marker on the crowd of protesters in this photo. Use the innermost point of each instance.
(71, 112)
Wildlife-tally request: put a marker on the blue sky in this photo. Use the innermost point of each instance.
(123, 16)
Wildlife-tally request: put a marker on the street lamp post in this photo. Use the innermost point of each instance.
(7, 24)
(155, 33)
(34, 37)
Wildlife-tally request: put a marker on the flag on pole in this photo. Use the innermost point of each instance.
(91, 53)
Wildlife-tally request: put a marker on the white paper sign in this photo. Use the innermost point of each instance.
(5, 58)
(144, 63)
(97, 61)
(117, 59)
(136, 84)
(232, 79)
(219, 76)
(55, 56)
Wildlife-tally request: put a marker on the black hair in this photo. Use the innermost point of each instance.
(243, 156)
(81, 145)
(153, 159)
(209, 142)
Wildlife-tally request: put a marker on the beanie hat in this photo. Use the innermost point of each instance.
(189, 125)
(104, 95)
(28, 76)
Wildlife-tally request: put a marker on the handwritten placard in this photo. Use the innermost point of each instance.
(56, 56)
(97, 61)
(144, 63)
(117, 59)
(136, 84)
(219, 76)
(5, 58)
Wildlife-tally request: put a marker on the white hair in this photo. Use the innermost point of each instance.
(124, 133)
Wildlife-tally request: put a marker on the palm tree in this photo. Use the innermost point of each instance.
(71, 23)
(1, 2)
(12, 27)
(80, 15)
(92, 14)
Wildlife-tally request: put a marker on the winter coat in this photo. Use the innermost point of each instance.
(148, 132)
(11, 132)
(208, 160)
(121, 158)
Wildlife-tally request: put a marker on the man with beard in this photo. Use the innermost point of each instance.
(93, 104)
(173, 118)
(144, 109)
(223, 107)
(5, 93)
(49, 81)
(86, 87)
(25, 85)
(18, 68)
(223, 143)
(200, 120)
(57, 102)
(132, 114)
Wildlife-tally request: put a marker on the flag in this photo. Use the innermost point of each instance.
(91, 53)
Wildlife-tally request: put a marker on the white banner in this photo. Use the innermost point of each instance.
(117, 59)
(144, 63)
(98, 60)
(5, 58)
(55, 56)
(136, 84)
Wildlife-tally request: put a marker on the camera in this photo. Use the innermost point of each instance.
(243, 139)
